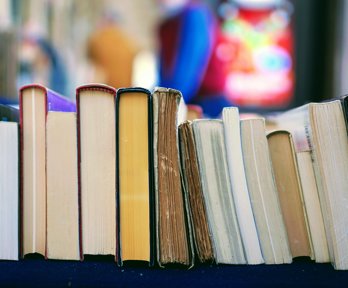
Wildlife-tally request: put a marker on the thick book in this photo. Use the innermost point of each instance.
(35, 102)
(134, 175)
(218, 197)
(173, 230)
(231, 124)
(289, 187)
(263, 193)
(320, 128)
(96, 135)
(9, 183)
(193, 190)
(63, 240)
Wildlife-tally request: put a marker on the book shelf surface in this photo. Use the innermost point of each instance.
(100, 273)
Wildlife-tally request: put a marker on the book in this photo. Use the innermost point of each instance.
(63, 240)
(9, 183)
(290, 192)
(35, 101)
(193, 189)
(296, 122)
(312, 207)
(96, 126)
(313, 210)
(218, 197)
(263, 193)
(320, 128)
(135, 175)
(231, 124)
(172, 227)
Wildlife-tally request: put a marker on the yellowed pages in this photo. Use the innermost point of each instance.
(134, 176)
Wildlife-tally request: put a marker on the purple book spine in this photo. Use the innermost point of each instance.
(56, 102)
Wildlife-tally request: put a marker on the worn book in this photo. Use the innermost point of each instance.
(173, 230)
(217, 192)
(9, 183)
(35, 102)
(193, 190)
(263, 193)
(96, 126)
(135, 191)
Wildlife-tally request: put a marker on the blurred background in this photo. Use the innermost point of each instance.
(260, 55)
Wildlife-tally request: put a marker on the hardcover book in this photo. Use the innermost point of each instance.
(96, 126)
(35, 102)
(135, 191)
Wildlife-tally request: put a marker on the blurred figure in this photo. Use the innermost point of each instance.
(188, 40)
(112, 53)
(40, 62)
(259, 53)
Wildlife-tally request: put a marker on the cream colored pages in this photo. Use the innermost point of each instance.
(9, 191)
(218, 198)
(98, 172)
(330, 152)
(239, 186)
(62, 187)
(263, 193)
(34, 173)
(312, 204)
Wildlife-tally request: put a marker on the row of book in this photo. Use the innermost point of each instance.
(121, 173)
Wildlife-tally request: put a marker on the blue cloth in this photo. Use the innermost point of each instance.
(105, 273)
(194, 47)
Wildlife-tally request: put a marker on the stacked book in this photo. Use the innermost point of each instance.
(123, 173)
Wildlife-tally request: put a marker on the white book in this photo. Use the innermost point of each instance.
(9, 191)
(263, 193)
(312, 205)
(239, 186)
(216, 187)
